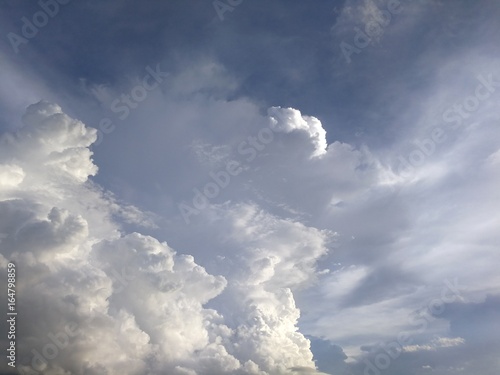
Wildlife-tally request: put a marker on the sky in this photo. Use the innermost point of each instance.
(243, 187)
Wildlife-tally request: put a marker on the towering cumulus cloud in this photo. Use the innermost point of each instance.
(93, 300)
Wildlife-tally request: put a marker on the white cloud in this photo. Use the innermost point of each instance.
(11, 175)
(132, 304)
(288, 119)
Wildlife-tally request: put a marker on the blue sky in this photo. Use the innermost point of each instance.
(251, 187)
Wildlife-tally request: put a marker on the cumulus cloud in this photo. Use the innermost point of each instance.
(271, 258)
(94, 300)
(288, 119)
